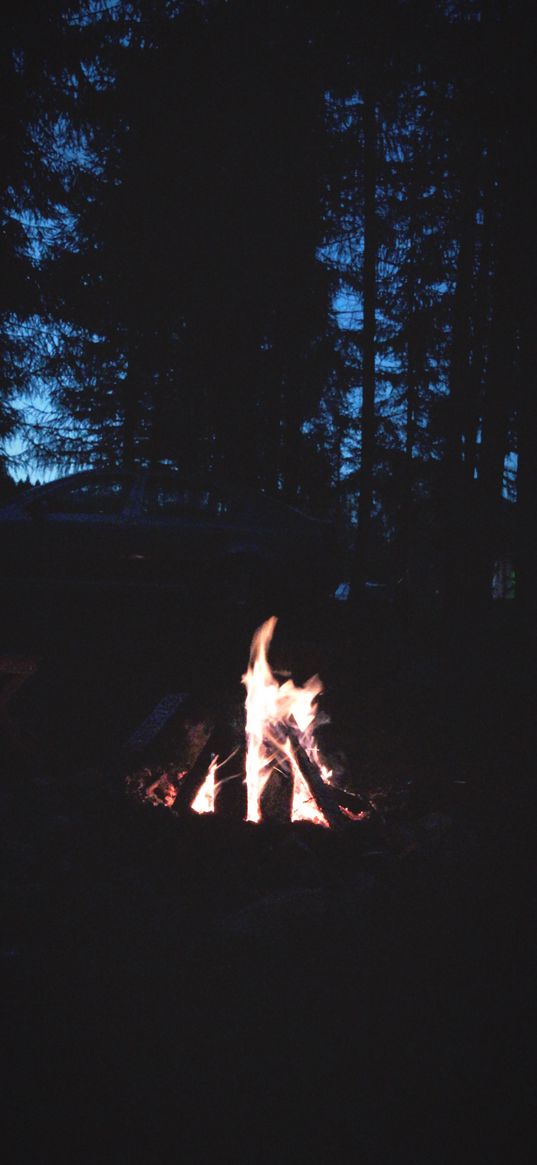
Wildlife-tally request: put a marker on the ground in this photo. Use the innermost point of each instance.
(272, 992)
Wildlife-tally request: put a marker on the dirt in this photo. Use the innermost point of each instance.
(226, 991)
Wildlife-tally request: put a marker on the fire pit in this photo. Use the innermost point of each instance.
(262, 765)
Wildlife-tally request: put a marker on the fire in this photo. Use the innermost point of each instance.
(204, 801)
(275, 715)
(281, 719)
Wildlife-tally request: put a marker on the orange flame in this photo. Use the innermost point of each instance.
(279, 717)
(274, 711)
(204, 800)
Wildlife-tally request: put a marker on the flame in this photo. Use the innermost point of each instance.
(280, 727)
(274, 713)
(204, 800)
(304, 807)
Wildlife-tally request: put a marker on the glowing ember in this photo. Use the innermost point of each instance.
(162, 791)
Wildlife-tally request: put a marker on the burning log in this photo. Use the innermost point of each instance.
(276, 800)
(272, 772)
(193, 780)
(324, 795)
(351, 801)
(230, 795)
(295, 765)
(220, 744)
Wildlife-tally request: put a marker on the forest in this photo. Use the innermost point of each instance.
(285, 247)
(288, 245)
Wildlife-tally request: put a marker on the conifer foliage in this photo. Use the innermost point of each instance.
(286, 244)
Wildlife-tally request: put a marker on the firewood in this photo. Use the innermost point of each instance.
(352, 801)
(221, 743)
(230, 799)
(147, 732)
(325, 795)
(193, 780)
(277, 796)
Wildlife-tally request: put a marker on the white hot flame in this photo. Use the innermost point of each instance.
(204, 800)
(274, 713)
(280, 725)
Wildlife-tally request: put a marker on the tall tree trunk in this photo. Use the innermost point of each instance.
(405, 514)
(129, 410)
(526, 526)
(478, 355)
(524, 183)
(456, 503)
(498, 404)
(291, 459)
(513, 254)
(363, 542)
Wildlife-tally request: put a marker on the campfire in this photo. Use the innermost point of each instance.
(268, 768)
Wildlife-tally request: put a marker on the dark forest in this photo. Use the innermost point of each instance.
(280, 252)
(290, 245)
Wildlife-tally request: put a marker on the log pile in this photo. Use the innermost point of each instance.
(222, 740)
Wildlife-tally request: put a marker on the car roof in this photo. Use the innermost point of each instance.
(265, 502)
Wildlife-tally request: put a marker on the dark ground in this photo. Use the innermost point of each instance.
(209, 990)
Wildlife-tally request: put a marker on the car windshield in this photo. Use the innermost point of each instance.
(89, 497)
(163, 499)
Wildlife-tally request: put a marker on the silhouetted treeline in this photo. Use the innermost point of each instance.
(287, 244)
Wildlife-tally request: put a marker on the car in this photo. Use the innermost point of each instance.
(155, 530)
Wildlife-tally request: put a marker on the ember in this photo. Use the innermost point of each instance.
(280, 761)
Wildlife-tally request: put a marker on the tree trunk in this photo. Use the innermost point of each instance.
(456, 531)
(363, 542)
(498, 404)
(526, 528)
(405, 516)
(128, 430)
(481, 338)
